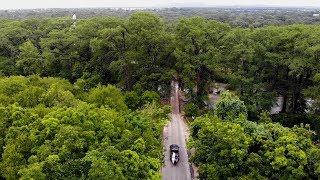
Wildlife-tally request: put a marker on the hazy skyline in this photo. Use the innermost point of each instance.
(28, 4)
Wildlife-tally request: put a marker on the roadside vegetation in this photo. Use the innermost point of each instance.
(229, 145)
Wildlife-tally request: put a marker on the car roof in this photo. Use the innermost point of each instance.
(174, 146)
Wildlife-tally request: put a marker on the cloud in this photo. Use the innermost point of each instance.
(14, 4)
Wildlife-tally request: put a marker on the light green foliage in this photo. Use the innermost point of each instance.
(32, 91)
(264, 118)
(229, 106)
(56, 95)
(109, 96)
(33, 171)
(30, 97)
(250, 150)
(47, 133)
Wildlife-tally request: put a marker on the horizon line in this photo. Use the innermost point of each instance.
(172, 6)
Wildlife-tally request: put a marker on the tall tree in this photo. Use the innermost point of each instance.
(60, 53)
(29, 60)
(197, 50)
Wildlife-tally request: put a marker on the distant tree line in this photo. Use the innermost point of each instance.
(235, 16)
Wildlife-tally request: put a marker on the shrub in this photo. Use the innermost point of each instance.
(58, 96)
(107, 96)
(150, 97)
(290, 120)
(132, 100)
(229, 106)
(191, 110)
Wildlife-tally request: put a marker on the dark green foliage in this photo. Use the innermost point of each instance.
(237, 16)
(291, 120)
(263, 62)
(136, 100)
(150, 97)
(313, 93)
(191, 110)
(135, 50)
(143, 52)
(197, 52)
(132, 100)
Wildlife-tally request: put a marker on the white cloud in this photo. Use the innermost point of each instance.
(9, 4)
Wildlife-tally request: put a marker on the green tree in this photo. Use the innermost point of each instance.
(60, 53)
(225, 149)
(108, 96)
(229, 106)
(29, 60)
(197, 51)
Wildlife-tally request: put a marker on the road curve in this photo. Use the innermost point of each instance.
(175, 133)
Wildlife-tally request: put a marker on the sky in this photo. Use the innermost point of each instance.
(30, 4)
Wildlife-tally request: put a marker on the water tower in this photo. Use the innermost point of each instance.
(74, 17)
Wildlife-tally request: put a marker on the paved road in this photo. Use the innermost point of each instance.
(175, 133)
(214, 97)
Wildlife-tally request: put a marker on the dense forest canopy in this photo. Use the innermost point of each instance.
(60, 118)
(51, 129)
